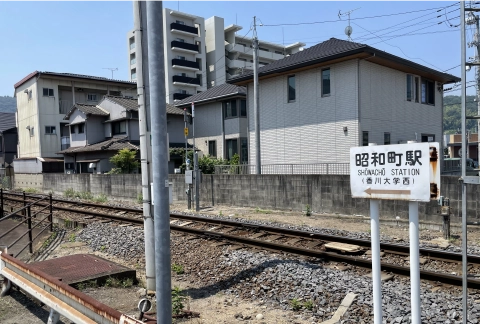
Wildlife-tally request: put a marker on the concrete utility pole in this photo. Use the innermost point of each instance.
(160, 161)
(256, 108)
(148, 227)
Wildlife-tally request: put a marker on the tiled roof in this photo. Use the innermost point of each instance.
(172, 110)
(7, 121)
(70, 75)
(113, 144)
(127, 103)
(87, 109)
(328, 50)
(213, 93)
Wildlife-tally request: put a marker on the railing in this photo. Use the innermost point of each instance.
(65, 142)
(132, 46)
(187, 46)
(315, 168)
(26, 212)
(65, 106)
(183, 79)
(186, 63)
(184, 28)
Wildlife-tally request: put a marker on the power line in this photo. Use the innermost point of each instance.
(360, 18)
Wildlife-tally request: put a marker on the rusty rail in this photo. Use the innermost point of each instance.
(60, 297)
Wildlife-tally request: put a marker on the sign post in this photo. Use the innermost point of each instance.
(396, 172)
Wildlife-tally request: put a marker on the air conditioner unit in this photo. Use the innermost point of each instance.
(92, 165)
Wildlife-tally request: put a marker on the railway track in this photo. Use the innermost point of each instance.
(308, 244)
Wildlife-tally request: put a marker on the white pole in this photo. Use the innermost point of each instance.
(376, 269)
(414, 263)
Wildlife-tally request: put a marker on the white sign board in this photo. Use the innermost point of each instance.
(188, 176)
(402, 172)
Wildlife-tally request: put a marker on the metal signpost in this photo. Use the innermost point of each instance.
(396, 172)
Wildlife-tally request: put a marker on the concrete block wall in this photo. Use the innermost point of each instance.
(28, 181)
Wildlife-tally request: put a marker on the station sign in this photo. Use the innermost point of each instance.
(396, 172)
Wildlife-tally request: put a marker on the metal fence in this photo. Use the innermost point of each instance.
(313, 168)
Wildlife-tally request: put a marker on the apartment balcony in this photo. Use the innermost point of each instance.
(183, 29)
(65, 142)
(184, 47)
(65, 106)
(185, 65)
(248, 51)
(181, 96)
(238, 64)
(186, 81)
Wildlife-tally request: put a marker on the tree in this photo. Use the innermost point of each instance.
(125, 161)
(452, 115)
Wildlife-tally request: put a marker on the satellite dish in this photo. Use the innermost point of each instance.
(348, 31)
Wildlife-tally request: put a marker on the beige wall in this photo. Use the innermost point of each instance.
(27, 115)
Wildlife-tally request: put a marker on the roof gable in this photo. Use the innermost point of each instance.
(87, 110)
(127, 103)
(213, 94)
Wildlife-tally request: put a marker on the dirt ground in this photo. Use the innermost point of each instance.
(16, 308)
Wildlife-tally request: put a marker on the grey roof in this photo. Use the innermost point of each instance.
(71, 75)
(334, 49)
(221, 91)
(113, 144)
(172, 110)
(7, 121)
(127, 103)
(88, 110)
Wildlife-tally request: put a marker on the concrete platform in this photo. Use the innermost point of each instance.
(77, 268)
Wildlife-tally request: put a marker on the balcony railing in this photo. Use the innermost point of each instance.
(186, 63)
(65, 142)
(132, 46)
(65, 106)
(184, 79)
(181, 96)
(133, 61)
(186, 46)
(184, 28)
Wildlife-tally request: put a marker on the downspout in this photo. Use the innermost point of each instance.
(358, 101)
(223, 131)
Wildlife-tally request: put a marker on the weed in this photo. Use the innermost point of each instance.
(85, 195)
(103, 248)
(295, 304)
(220, 213)
(49, 240)
(101, 198)
(51, 192)
(72, 237)
(112, 282)
(177, 300)
(30, 190)
(262, 211)
(127, 283)
(308, 210)
(308, 305)
(140, 198)
(69, 193)
(81, 286)
(177, 268)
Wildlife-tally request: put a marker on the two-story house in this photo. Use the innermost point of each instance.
(220, 121)
(317, 104)
(43, 100)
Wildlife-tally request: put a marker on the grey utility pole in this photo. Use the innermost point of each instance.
(160, 161)
(196, 172)
(256, 108)
(148, 227)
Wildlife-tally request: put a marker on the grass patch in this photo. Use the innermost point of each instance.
(262, 211)
(177, 268)
(49, 240)
(295, 304)
(30, 190)
(139, 198)
(72, 237)
(87, 284)
(69, 193)
(101, 198)
(118, 283)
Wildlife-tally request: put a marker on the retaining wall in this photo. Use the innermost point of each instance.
(324, 193)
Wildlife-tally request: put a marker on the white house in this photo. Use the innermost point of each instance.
(316, 104)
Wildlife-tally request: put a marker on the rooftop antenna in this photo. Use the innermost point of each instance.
(111, 69)
(348, 29)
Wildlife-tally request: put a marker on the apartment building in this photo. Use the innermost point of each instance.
(43, 100)
(230, 54)
(317, 104)
(184, 53)
(201, 54)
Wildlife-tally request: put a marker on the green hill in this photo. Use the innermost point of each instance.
(8, 104)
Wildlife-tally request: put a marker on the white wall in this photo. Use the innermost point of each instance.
(309, 130)
(27, 115)
(384, 107)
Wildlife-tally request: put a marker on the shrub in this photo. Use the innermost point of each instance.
(69, 193)
(101, 198)
(177, 300)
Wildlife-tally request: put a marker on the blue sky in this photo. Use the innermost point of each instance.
(86, 37)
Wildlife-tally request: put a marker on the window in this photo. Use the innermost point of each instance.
(365, 139)
(119, 127)
(133, 59)
(243, 108)
(243, 150)
(326, 82)
(231, 148)
(230, 108)
(134, 114)
(428, 92)
(180, 22)
(47, 92)
(73, 129)
(81, 128)
(32, 131)
(428, 137)
(409, 87)
(212, 148)
(291, 88)
(92, 97)
(50, 130)
(133, 74)
(115, 93)
(386, 138)
(417, 88)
